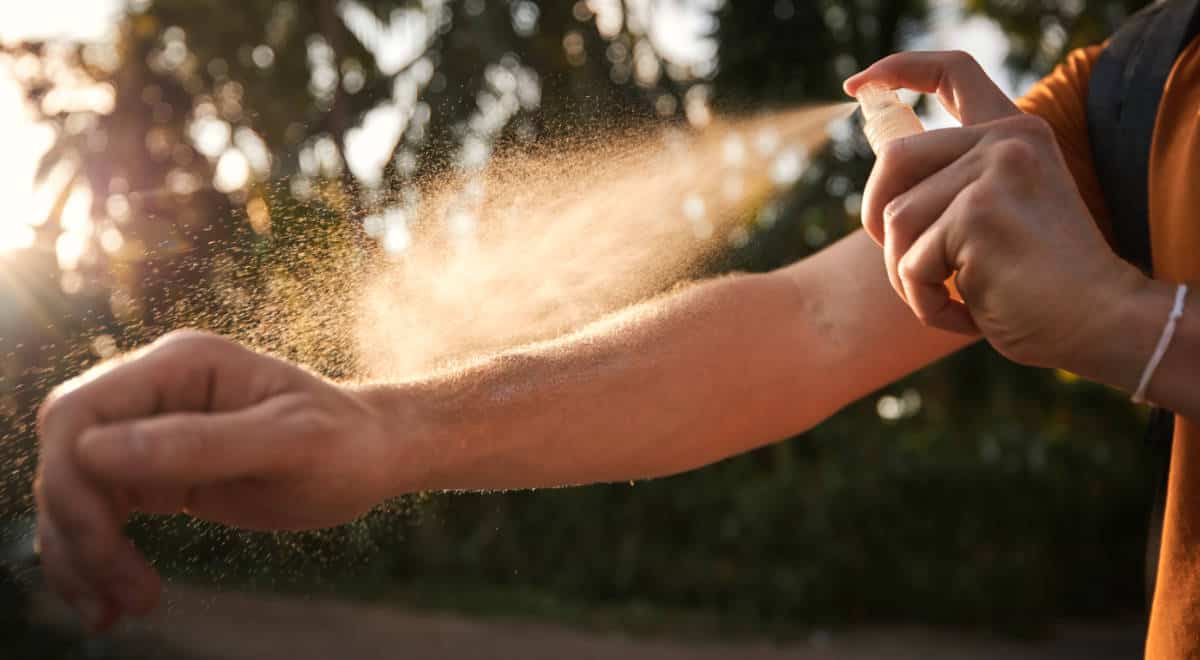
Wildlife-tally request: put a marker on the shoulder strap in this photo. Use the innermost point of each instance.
(1124, 92)
(1123, 96)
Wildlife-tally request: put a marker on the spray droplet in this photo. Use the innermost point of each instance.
(693, 207)
(396, 237)
(787, 167)
(766, 142)
(733, 149)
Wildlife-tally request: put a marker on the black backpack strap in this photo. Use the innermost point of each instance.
(1123, 96)
(1124, 92)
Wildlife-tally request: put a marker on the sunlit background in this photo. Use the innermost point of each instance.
(678, 32)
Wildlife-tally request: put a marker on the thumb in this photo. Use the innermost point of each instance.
(185, 449)
(959, 82)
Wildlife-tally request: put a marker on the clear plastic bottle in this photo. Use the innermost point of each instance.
(885, 117)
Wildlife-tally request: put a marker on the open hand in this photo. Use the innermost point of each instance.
(192, 423)
(993, 205)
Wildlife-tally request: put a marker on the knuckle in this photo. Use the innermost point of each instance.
(189, 343)
(313, 422)
(980, 200)
(52, 407)
(892, 154)
(908, 270)
(185, 335)
(46, 410)
(962, 60)
(157, 455)
(895, 214)
(1014, 156)
(1032, 126)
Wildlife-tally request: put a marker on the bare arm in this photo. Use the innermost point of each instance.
(717, 369)
(199, 424)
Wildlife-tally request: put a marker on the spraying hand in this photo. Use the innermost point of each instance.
(993, 205)
(199, 424)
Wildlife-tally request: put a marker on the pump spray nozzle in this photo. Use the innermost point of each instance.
(885, 117)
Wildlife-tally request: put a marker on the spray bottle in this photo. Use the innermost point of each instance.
(885, 117)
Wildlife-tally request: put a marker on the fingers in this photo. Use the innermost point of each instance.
(908, 215)
(923, 271)
(81, 514)
(186, 449)
(177, 372)
(905, 162)
(61, 574)
(84, 555)
(959, 82)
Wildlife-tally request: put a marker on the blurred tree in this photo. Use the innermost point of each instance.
(1040, 33)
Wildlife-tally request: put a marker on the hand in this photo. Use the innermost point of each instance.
(198, 424)
(993, 205)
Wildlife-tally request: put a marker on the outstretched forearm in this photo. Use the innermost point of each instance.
(197, 423)
(673, 384)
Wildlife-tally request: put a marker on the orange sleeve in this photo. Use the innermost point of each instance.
(1061, 99)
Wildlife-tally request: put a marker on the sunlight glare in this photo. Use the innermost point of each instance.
(24, 143)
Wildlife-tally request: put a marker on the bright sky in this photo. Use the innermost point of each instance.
(73, 19)
(24, 142)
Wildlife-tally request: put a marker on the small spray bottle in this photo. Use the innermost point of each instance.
(885, 117)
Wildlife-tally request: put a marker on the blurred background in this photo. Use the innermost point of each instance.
(166, 162)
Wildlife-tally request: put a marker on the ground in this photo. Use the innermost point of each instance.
(201, 623)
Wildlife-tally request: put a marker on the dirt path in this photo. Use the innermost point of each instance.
(200, 624)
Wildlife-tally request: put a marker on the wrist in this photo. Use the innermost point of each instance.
(1127, 321)
(403, 424)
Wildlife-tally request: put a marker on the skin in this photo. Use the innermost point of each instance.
(993, 205)
(196, 423)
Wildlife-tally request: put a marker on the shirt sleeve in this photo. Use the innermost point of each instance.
(1061, 99)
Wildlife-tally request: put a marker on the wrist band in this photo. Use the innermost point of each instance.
(1163, 342)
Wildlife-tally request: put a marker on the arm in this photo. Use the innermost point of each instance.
(200, 424)
(667, 386)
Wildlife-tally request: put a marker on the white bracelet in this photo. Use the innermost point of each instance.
(1168, 332)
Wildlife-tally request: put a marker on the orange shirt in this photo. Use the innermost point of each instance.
(1174, 208)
